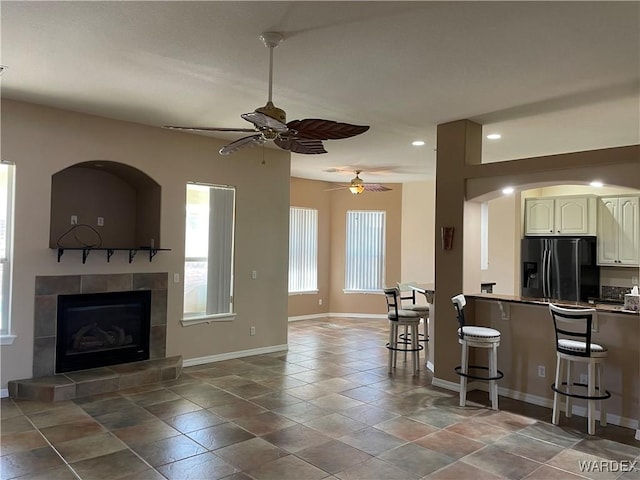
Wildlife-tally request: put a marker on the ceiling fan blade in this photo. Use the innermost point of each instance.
(300, 145)
(325, 129)
(211, 129)
(332, 189)
(243, 142)
(260, 120)
(375, 187)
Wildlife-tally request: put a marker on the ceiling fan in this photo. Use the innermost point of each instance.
(298, 136)
(357, 186)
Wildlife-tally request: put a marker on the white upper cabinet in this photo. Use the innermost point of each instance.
(559, 216)
(539, 216)
(619, 231)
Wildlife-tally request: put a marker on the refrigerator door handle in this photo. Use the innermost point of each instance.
(577, 276)
(545, 272)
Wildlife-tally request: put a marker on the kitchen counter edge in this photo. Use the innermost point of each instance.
(600, 307)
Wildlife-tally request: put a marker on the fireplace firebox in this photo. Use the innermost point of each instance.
(101, 329)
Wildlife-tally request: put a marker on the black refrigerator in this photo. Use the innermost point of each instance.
(560, 268)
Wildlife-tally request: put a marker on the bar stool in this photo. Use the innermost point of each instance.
(479, 337)
(410, 303)
(399, 317)
(573, 327)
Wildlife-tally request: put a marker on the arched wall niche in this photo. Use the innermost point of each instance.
(127, 200)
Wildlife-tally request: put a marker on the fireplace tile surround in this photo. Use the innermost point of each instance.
(45, 385)
(48, 288)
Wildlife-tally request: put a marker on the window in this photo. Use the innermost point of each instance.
(6, 243)
(208, 265)
(303, 250)
(364, 262)
(484, 236)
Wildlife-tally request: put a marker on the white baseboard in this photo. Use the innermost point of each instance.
(231, 355)
(4, 393)
(359, 315)
(537, 400)
(315, 316)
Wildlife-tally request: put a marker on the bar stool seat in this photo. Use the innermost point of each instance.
(577, 323)
(477, 337)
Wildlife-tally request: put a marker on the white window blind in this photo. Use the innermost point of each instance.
(364, 262)
(6, 244)
(303, 250)
(209, 246)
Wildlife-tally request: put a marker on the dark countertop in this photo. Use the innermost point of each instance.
(600, 307)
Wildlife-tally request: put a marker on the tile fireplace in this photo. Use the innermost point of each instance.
(50, 288)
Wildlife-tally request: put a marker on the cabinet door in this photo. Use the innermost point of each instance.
(572, 216)
(629, 224)
(539, 216)
(608, 231)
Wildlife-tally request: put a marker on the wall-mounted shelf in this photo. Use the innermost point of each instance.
(111, 251)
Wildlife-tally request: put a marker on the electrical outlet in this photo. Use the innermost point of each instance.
(101, 221)
(542, 371)
(252, 331)
(584, 379)
(176, 278)
(74, 219)
(254, 274)
(319, 301)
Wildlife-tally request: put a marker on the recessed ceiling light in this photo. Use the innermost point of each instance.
(596, 183)
(494, 136)
(417, 143)
(508, 190)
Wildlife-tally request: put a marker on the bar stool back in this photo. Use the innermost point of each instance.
(479, 337)
(400, 317)
(573, 328)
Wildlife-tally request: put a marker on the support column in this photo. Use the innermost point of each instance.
(459, 144)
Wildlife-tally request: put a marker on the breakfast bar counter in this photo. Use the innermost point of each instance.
(527, 354)
(600, 307)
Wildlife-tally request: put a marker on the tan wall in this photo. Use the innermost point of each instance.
(332, 207)
(527, 340)
(341, 201)
(504, 249)
(313, 194)
(418, 227)
(42, 141)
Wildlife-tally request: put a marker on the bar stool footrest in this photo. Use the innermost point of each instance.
(408, 340)
(607, 393)
(420, 347)
(458, 370)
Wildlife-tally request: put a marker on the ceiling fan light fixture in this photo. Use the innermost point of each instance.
(356, 189)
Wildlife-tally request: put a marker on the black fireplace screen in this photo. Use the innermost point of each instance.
(100, 329)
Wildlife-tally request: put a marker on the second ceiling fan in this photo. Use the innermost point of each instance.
(357, 186)
(297, 136)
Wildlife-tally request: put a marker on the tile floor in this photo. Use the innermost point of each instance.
(325, 409)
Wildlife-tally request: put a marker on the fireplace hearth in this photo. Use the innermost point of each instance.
(102, 329)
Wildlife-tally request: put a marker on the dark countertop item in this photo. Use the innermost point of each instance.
(600, 307)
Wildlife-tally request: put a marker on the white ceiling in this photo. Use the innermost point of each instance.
(550, 77)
